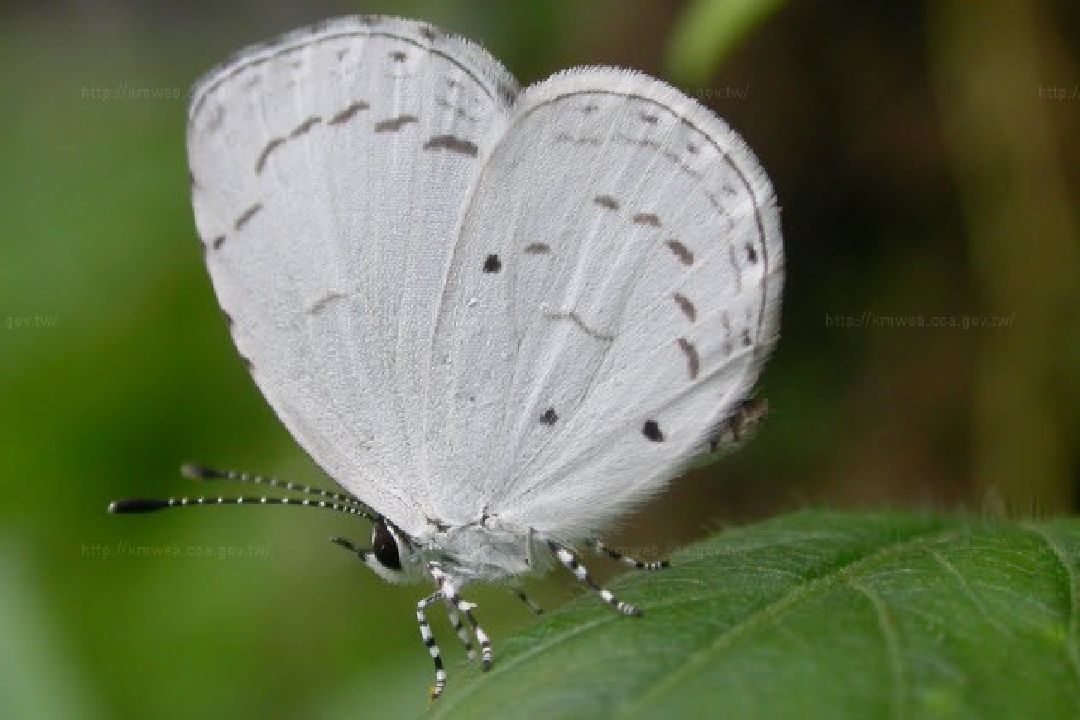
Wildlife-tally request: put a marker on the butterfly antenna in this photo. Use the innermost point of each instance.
(143, 505)
(198, 472)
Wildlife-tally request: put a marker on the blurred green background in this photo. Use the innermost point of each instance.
(926, 160)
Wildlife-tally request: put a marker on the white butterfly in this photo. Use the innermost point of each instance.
(497, 318)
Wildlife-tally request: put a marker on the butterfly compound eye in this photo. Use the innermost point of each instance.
(384, 545)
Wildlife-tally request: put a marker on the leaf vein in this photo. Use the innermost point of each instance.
(769, 612)
(1056, 550)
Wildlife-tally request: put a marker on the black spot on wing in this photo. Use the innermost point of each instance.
(492, 264)
(751, 253)
(398, 56)
(218, 242)
(453, 144)
(607, 202)
(394, 124)
(681, 251)
(247, 215)
(537, 249)
(745, 338)
(348, 113)
(686, 306)
(648, 118)
(550, 417)
(652, 431)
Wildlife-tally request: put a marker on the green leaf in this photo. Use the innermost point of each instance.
(707, 31)
(813, 615)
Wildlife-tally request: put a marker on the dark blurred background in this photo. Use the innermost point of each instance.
(926, 160)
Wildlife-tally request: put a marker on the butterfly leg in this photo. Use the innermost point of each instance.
(459, 628)
(352, 547)
(617, 556)
(449, 593)
(536, 609)
(570, 562)
(429, 642)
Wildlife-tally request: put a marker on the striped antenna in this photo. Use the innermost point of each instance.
(198, 472)
(139, 505)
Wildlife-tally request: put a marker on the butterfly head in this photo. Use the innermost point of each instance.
(392, 555)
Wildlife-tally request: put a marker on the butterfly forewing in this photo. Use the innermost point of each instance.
(329, 170)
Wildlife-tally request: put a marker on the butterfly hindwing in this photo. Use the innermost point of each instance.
(612, 298)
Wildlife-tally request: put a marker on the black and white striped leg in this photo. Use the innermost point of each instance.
(617, 556)
(429, 642)
(459, 628)
(449, 592)
(536, 609)
(571, 562)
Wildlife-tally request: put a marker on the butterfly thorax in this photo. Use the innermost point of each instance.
(477, 552)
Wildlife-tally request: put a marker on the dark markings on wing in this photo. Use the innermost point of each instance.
(751, 253)
(270, 147)
(453, 144)
(243, 61)
(398, 56)
(247, 215)
(606, 201)
(735, 264)
(537, 249)
(686, 306)
(649, 118)
(427, 33)
(218, 242)
(582, 140)
(217, 117)
(664, 152)
(572, 315)
(745, 337)
(305, 126)
(652, 431)
(646, 219)
(550, 417)
(340, 55)
(348, 113)
(492, 264)
(394, 124)
(692, 148)
(693, 362)
(681, 251)
(324, 302)
(460, 112)
(275, 143)
(590, 108)
(746, 416)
